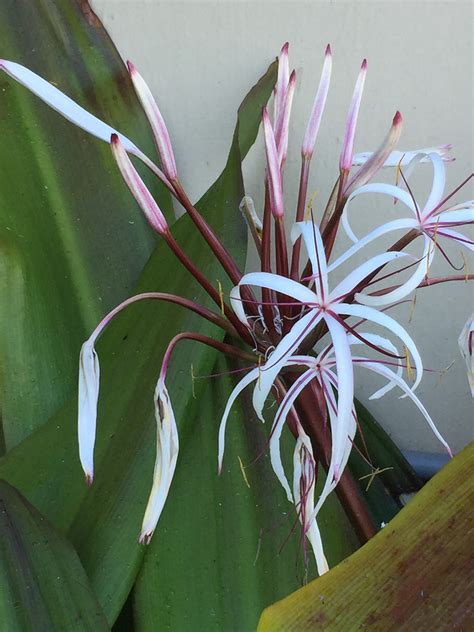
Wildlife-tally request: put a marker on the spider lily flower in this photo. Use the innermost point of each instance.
(345, 161)
(430, 222)
(75, 113)
(320, 305)
(466, 346)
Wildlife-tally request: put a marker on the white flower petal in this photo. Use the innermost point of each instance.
(464, 215)
(403, 158)
(376, 187)
(406, 288)
(459, 237)
(65, 105)
(283, 410)
(315, 249)
(245, 381)
(345, 398)
(397, 224)
(374, 316)
(389, 374)
(279, 357)
(466, 346)
(352, 280)
(439, 182)
(89, 379)
(272, 282)
(167, 447)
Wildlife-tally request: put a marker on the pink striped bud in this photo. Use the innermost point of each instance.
(283, 122)
(137, 187)
(345, 161)
(274, 174)
(318, 107)
(282, 81)
(377, 160)
(153, 114)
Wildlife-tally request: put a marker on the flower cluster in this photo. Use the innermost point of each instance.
(299, 331)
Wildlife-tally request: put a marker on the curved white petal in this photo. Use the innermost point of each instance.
(89, 379)
(439, 182)
(466, 347)
(386, 344)
(464, 215)
(345, 399)
(404, 158)
(406, 288)
(167, 448)
(65, 105)
(279, 357)
(377, 187)
(352, 280)
(397, 224)
(272, 282)
(245, 381)
(315, 249)
(389, 374)
(379, 318)
(275, 456)
(459, 237)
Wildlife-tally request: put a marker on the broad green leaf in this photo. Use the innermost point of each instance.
(45, 466)
(44, 587)
(227, 546)
(72, 242)
(415, 574)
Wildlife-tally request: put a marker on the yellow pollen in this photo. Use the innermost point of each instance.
(412, 308)
(309, 206)
(242, 469)
(410, 373)
(221, 295)
(193, 377)
(465, 266)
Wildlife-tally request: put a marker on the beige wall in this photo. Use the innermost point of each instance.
(200, 59)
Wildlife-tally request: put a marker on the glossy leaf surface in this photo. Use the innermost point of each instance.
(43, 584)
(415, 574)
(72, 242)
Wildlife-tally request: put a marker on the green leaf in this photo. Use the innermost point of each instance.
(226, 546)
(43, 584)
(72, 242)
(415, 574)
(45, 466)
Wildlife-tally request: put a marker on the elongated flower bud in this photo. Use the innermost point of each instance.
(318, 107)
(282, 80)
(304, 479)
(345, 161)
(156, 121)
(167, 448)
(89, 374)
(137, 187)
(377, 160)
(274, 174)
(282, 126)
